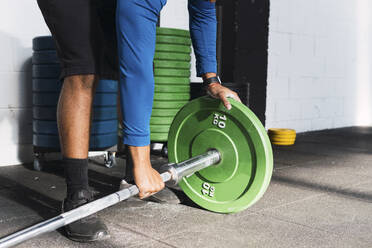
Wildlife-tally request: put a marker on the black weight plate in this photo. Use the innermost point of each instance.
(102, 141)
(106, 85)
(105, 99)
(54, 85)
(46, 71)
(51, 99)
(95, 142)
(45, 57)
(172, 56)
(171, 73)
(169, 39)
(43, 43)
(173, 32)
(172, 64)
(46, 85)
(105, 113)
(97, 127)
(50, 113)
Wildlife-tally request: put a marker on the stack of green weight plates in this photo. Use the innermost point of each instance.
(172, 79)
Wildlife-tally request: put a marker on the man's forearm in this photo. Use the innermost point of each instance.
(203, 30)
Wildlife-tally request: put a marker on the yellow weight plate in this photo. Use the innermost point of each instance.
(282, 139)
(282, 136)
(283, 143)
(281, 131)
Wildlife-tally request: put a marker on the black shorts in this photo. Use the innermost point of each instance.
(85, 35)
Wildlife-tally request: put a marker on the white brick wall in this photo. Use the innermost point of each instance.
(320, 54)
(20, 21)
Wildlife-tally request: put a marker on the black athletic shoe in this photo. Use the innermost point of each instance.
(88, 229)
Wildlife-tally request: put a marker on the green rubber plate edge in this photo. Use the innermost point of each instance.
(172, 64)
(171, 56)
(159, 137)
(168, 88)
(156, 120)
(171, 96)
(172, 80)
(173, 32)
(171, 39)
(159, 128)
(173, 48)
(240, 204)
(164, 112)
(169, 104)
(171, 73)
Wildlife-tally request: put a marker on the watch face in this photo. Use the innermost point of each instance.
(219, 80)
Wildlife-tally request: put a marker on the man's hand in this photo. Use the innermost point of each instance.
(218, 91)
(146, 178)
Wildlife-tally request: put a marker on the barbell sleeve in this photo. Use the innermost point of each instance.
(173, 172)
(192, 165)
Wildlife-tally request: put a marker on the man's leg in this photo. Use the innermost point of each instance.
(74, 26)
(74, 115)
(136, 33)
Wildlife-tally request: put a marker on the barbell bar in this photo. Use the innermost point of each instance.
(173, 172)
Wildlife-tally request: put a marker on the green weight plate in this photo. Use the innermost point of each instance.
(173, 48)
(172, 80)
(244, 172)
(155, 120)
(171, 96)
(159, 128)
(171, 73)
(173, 32)
(159, 137)
(164, 112)
(172, 56)
(169, 39)
(172, 64)
(169, 104)
(172, 88)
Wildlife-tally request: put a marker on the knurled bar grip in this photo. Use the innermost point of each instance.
(205, 160)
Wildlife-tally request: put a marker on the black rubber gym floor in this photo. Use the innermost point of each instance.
(320, 196)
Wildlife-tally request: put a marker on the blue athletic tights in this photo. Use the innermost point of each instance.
(136, 33)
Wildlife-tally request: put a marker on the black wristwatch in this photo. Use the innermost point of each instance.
(208, 81)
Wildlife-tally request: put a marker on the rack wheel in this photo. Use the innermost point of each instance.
(164, 151)
(110, 160)
(38, 162)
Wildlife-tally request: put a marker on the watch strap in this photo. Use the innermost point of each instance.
(211, 80)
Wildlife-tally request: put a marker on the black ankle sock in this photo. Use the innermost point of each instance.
(76, 174)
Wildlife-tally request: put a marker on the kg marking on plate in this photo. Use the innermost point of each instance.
(219, 120)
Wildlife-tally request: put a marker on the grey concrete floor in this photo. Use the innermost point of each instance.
(320, 196)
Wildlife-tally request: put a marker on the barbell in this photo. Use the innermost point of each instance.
(222, 160)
